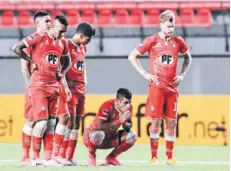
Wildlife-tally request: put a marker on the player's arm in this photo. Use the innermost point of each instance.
(85, 74)
(102, 124)
(186, 64)
(127, 125)
(25, 71)
(133, 58)
(18, 50)
(66, 63)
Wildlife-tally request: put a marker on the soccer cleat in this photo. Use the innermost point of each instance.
(91, 160)
(36, 162)
(113, 161)
(26, 162)
(172, 162)
(154, 160)
(74, 163)
(63, 161)
(51, 163)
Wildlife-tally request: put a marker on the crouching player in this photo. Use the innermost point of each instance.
(103, 134)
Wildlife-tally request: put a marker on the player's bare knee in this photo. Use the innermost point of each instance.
(155, 123)
(63, 119)
(70, 124)
(77, 122)
(40, 128)
(171, 123)
(131, 137)
(97, 137)
(50, 129)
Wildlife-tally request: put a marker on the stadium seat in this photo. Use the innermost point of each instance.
(24, 18)
(187, 17)
(151, 19)
(55, 13)
(134, 18)
(120, 17)
(72, 16)
(104, 18)
(7, 18)
(87, 16)
(203, 18)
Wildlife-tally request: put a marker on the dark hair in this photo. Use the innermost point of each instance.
(40, 14)
(124, 93)
(86, 29)
(62, 19)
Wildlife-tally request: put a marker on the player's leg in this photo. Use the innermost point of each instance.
(27, 129)
(125, 141)
(74, 133)
(154, 110)
(170, 130)
(92, 140)
(40, 111)
(72, 110)
(63, 115)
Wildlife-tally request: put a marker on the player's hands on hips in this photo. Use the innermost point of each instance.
(150, 77)
(124, 116)
(177, 80)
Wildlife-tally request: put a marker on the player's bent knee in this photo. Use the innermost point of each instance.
(40, 128)
(97, 137)
(131, 138)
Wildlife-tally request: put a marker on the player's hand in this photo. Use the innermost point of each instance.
(58, 75)
(34, 66)
(177, 80)
(68, 93)
(150, 77)
(124, 116)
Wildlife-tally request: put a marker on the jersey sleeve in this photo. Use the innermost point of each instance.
(65, 50)
(183, 46)
(104, 111)
(32, 39)
(144, 46)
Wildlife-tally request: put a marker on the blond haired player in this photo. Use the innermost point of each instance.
(163, 49)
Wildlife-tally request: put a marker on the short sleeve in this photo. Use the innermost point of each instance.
(32, 39)
(183, 46)
(104, 111)
(144, 46)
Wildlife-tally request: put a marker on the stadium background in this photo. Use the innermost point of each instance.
(204, 104)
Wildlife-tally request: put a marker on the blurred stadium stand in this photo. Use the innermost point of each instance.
(120, 27)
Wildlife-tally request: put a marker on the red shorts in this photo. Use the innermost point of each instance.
(77, 105)
(161, 104)
(44, 102)
(110, 140)
(28, 114)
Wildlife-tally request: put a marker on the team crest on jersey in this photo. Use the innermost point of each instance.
(52, 58)
(166, 59)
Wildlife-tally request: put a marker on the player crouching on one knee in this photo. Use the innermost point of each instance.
(103, 132)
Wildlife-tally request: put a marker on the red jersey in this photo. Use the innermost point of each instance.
(108, 113)
(77, 69)
(46, 53)
(163, 58)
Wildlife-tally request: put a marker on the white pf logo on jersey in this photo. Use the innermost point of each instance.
(52, 59)
(79, 65)
(166, 59)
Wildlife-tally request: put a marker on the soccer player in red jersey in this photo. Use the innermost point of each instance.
(43, 23)
(103, 131)
(163, 49)
(47, 51)
(76, 78)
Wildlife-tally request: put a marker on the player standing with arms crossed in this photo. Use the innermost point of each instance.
(163, 49)
(47, 51)
(77, 79)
